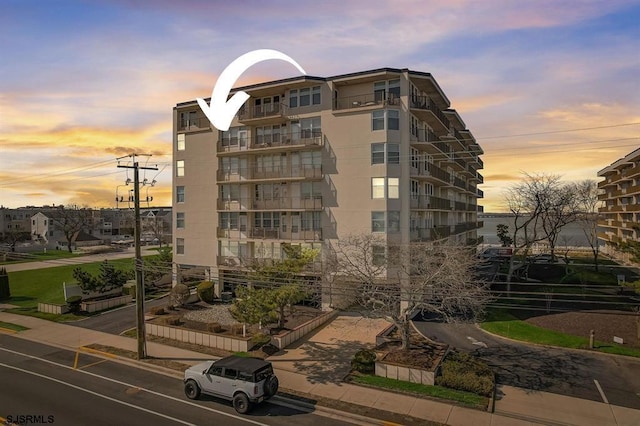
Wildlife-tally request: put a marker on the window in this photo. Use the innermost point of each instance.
(230, 373)
(393, 153)
(179, 194)
(230, 192)
(393, 119)
(310, 221)
(393, 221)
(235, 136)
(415, 158)
(393, 190)
(180, 220)
(377, 153)
(216, 371)
(384, 90)
(377, 222)
(268, 220)
(179, 245)
(377, 188)
(378, 255)
(180, 143)
(377, 120)
(188, 119)
(304, 97)
(311, 190)
(180, 168)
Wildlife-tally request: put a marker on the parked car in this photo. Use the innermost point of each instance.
(496, 253)
(545, 258)
(241, 380)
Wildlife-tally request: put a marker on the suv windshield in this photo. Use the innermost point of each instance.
(264, 373)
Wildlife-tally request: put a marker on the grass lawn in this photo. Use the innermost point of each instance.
(465, 398)
(11, 326)
(41, 256)
(45, 285)
(502, 323)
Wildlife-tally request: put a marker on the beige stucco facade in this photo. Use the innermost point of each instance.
(620, 196)
(309, 159)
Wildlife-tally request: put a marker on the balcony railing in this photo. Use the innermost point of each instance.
(459, 183)
(366, 100)
(291, 203)
(193, 124)
(426, 135)
(307, 171)
(302, 138)
(429, 202)
(293, 233)
(262, 111)
(425, 103)
(245, 262)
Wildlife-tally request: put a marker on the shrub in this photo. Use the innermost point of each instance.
(214, 327)
(260, 339)
(74, 303)
(364, 361)
(462, 371)
(5, 292)
(171, 320)
(206, 291)
(157, 310)
(179, 295)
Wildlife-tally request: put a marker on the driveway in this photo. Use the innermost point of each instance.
(562, 371)
(324, 356)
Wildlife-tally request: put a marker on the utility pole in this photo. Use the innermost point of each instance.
(140, 329)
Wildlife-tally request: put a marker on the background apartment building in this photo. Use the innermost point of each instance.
(620, 195)
(309, 159)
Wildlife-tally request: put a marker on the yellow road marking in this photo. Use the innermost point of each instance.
(89, 350)
(7, 330)
(385, 423)
(93, 363)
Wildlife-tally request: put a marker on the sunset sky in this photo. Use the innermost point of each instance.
(545, 86)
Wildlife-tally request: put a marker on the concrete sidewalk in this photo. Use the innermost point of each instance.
(328, 349)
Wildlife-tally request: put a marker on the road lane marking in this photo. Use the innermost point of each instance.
(96, 394)
(222, 413)
(604, 398)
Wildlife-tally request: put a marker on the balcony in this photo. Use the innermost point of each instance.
(246, 261)
(283, 141)
(367, 100)
(432, 173)
(303, 171)
(193, 125)
(289, 203)
(459, 183)
(467, 226)
(429, 202)
(426, 110)
(480, 209)
(263, 114)
(426, 140)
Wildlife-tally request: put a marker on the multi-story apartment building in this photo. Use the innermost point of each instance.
(620, 193)
(309, 159)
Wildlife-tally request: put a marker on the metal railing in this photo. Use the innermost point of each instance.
(425, 103)
(369, 99)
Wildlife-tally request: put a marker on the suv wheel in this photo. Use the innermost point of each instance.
(191, 389)
(270, 386)
(241, 403)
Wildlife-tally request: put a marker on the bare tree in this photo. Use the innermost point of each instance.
(558, 205)
(542, 206)
(395, 282)
(586, 192)
(71, 220)
(13, 236)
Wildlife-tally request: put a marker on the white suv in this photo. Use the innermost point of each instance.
(244, 381)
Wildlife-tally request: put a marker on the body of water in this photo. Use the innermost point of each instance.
(570, 235)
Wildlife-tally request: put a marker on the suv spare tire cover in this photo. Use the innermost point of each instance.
(271, 386)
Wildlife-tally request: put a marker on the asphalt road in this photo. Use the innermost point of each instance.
(118, 320)
(54, 385)
(562, 371)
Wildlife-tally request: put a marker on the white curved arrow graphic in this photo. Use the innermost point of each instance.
(220, 112)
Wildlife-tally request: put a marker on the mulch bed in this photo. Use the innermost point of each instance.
(606, 324)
